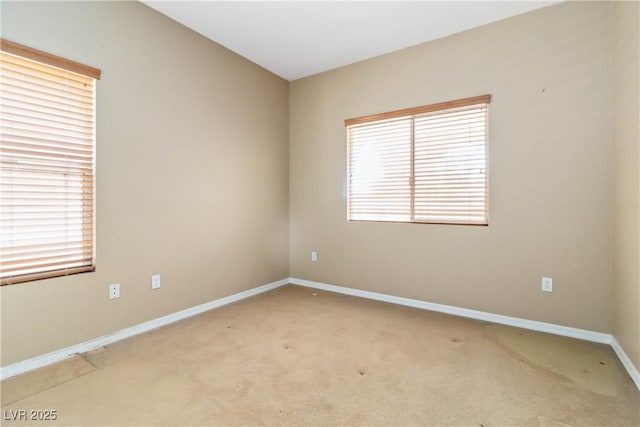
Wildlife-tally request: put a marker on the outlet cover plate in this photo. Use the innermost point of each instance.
(547, 284)
(114, 291)
(155, 281)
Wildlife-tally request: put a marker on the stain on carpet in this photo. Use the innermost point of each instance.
(589, 366)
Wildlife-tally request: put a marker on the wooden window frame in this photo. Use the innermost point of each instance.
(15, 165)
(363, 208)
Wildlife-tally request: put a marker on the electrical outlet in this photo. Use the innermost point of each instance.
(155, 281)
(547, 284)
(314, 256)
(114, 291)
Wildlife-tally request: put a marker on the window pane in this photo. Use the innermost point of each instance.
(450, 171)
(380, 171)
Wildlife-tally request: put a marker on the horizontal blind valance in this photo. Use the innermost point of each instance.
(47, 126)
(48, 59)
(407, 112)
(424, 164)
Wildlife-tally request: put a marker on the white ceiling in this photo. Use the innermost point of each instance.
(296, 39)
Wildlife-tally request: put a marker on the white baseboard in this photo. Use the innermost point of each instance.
(59, 355)
(550, 328)
(464, 312)
(626, 362)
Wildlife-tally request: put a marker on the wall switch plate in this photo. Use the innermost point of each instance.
(547, 284)
(155, 281)
(114, 291)
(314, 256)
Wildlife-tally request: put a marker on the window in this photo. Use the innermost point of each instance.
(47, 128)
(425, 164)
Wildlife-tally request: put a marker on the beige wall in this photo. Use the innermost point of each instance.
(550, 74)
(626, 178)
(192, 173)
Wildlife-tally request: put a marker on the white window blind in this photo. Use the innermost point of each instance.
(426, 164)
(47, 124)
